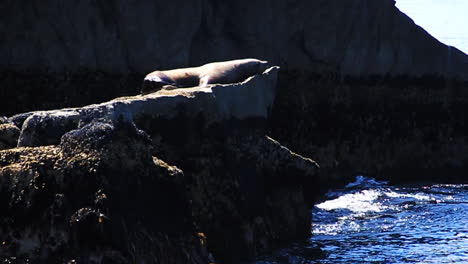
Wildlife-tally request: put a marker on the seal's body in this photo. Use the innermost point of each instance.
(211, 73)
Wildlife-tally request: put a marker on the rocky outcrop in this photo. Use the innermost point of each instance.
(252, 98)
(98, 197)
(179, 176)
(46, 128)
(250, 194)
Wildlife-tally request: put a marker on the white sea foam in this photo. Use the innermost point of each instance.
(363, 201)
(417, 196)
(335, 228)
(378, 222)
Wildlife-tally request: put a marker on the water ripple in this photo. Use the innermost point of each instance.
(373, 222)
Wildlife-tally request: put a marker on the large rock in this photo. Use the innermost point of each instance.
(252, 98)
(98, 197)
(250, 194)
(104, 191)
(46, 128)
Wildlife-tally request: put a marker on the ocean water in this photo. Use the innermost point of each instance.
(446, 20)
(373, 222)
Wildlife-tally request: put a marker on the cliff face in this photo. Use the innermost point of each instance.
(366, 37)
(400, 129)
(49, 50)
(358, 37)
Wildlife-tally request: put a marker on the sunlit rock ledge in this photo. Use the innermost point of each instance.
(252, 98)
(180, 176)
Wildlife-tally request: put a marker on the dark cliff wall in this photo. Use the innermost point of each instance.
(120, 36)
(57, 54)
(402, 129)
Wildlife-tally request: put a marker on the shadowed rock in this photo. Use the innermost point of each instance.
(9, 134)
(97, 197)
(250, 194)
(357, 37)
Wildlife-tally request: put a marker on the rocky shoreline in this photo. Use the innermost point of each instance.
(181, 176)
(92, 172)
(207, 161)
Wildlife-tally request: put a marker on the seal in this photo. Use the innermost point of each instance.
(223, 72)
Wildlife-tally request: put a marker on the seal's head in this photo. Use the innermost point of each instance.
(155, 81)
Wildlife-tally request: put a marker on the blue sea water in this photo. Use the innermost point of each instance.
(446, 20)
(373, 222)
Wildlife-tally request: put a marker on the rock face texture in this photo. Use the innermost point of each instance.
(98, 197)
(48, 50)
(364, 37)
(94, 184)
(357, 37)
(9, 134)
(400, 129)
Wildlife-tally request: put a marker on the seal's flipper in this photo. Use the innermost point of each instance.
(204, 81)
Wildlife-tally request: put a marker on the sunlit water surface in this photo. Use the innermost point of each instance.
(373, 222)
